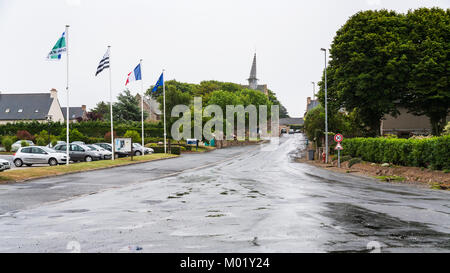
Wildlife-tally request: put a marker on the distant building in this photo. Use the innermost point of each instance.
(40, 107)
(151, 107)
(311, 104)
(76, 114)
(406, 124)
(253, 80)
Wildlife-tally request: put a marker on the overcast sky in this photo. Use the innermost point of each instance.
(194, 40)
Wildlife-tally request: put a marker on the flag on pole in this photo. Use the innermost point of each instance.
(104, 63)
(134, 75)
(60, 47)
(160, 82)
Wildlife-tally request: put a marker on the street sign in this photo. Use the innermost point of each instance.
(339, 147)
(338, 138)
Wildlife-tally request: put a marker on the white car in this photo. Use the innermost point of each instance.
(4, 165)
(38, 155)
(105, 154)
(18, 144)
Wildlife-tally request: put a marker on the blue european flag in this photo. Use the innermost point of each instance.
(160, 82)
(137, 73)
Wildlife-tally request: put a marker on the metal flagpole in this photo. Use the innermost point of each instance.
(164, 104)
(110, 105)
(142, 104)
(67, 89)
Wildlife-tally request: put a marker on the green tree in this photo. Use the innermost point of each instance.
(7, 143)
(127, 108)
(74, 135)
(367, 67)
(173, 97)
(134, 135)
(428, 54)
(102, 110)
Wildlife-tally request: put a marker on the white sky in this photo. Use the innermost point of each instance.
(193, 40)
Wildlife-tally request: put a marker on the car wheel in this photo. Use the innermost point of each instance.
(52, 162)
(137, 153)
(88, 159)
(18, 162)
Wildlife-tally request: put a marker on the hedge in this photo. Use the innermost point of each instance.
(432, 152)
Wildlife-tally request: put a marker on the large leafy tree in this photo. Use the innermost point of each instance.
(367, 66)
(100, 111)
(127, 107)
(173, 97)
(429, 62)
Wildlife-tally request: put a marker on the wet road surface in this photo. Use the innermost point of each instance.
(253, 201)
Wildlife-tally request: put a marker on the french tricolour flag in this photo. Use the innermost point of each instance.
(134, 75)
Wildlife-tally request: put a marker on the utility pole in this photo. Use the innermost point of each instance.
(326, 108)
(314, 90)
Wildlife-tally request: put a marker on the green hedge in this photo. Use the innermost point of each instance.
(428, 152)
(176, 150)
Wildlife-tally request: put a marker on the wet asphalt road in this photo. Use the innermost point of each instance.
(252, 201)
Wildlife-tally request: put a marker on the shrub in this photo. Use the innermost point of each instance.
(24, 134)
(353, 161)
(134, 135)
(7, 143)
(40, 141)
(425, 152)
(23, 143)
(108, 136)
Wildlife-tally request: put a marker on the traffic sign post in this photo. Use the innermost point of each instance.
(338, 138)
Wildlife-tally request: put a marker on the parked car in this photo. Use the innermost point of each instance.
(108, 147)
(78, 142)
(4, 165)
(38, 155)
(78, 152)
(291, 131)
(57, 143)
(283, 131)
(103, 152)
(139, 150)
(18, 144)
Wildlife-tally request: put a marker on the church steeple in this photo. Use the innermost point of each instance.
(253, 81)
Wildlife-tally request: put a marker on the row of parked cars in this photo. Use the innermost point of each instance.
(78, 152)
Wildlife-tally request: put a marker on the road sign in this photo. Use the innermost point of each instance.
(339, 147)
(338, 138)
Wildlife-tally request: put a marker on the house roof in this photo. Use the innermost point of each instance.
(291, 121)
(74, 112)
(32, 106)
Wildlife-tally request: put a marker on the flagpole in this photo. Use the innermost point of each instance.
(164, 103)
(67, 89)
(142, 104)
(110, 105)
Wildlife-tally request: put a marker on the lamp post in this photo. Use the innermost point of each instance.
(314, 90)
(326, 108)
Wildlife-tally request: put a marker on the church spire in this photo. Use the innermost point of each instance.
(253, 81)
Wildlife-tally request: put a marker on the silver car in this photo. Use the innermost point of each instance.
(4, 165)
(103, 152)
(38, 155)
(18, 144)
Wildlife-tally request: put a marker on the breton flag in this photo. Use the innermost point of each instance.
(104, 63)
(160, 82)
(134, 75)
(60, 47)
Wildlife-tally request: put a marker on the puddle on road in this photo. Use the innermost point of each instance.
(388, 230)
(75, 211)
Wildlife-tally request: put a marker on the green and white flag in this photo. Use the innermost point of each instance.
(59, 48)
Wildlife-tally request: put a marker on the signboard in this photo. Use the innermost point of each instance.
(191, 141)
(122, 145)
(339, 147)
(338, 138)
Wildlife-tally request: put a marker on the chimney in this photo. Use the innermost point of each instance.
(53, 93)
(83, 107)
(308, 101)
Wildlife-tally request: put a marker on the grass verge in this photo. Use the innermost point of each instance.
(41, 172)
(391, 178)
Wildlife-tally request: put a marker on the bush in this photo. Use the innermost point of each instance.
(426, 152)
(134, 135)
(40, 141)
(354, 161)
(7, 143)
(108, 136)
(24, 134)
(23, 143)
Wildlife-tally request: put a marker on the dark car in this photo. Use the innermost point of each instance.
(108, 147)
(78, 152)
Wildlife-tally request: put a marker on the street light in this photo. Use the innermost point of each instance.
(314, 90)
(49, 119)
(326, 108)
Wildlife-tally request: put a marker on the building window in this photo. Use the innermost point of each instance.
(7, 110)
(20, 110)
